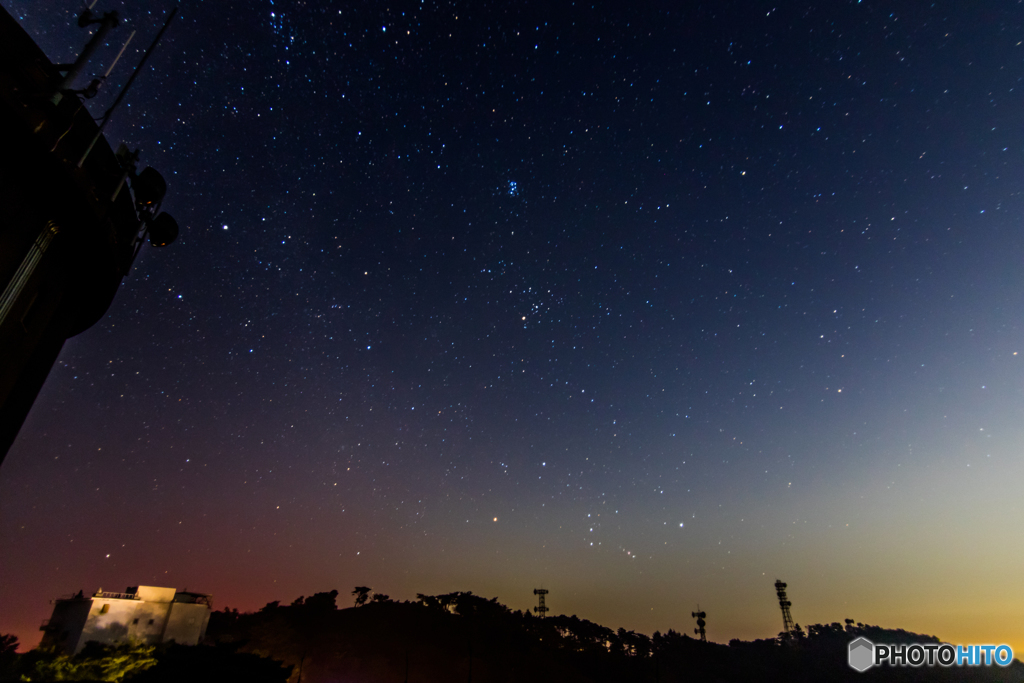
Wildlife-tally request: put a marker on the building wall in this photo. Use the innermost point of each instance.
(147, 624)
(152, 618)
(153, 593)
(66, 624)
(109, 622)
(186, 623)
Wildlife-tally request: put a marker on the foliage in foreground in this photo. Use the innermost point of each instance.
(134, 663)
(94, 663)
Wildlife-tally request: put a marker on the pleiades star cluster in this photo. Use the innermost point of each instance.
(644, 304)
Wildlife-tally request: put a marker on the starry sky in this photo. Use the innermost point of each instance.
(646, 304)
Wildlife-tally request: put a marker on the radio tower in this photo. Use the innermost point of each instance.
(699, 616)
(785, 604)
(540, 608)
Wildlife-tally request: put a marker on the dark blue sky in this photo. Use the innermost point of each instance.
(647, 305)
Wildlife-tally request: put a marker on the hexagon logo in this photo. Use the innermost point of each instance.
(861, 654)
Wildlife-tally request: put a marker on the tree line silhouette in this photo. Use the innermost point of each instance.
(464, 637)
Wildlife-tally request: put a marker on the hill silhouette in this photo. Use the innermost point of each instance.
(464, 637)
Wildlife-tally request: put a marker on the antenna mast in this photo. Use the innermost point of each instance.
(785, 604)
(540, 609)
(127, 86)
(699, 616)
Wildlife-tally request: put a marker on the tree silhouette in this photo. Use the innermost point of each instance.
(322, 601)
(362, 594)
(212, 664)
(428, 600)
(8, 655)
(452, 637)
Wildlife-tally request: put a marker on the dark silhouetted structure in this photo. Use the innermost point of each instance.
(699, 616)
(446, 638)
(540, 609)
(785, 604)
(73, 212)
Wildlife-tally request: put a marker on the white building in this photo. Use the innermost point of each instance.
(145, 614)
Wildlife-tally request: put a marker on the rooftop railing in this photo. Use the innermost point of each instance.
(115, 596)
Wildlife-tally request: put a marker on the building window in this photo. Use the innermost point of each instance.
(105, 608)
(151, 622)
(135, 620)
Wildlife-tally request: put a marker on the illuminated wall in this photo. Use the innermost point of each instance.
(145, 614)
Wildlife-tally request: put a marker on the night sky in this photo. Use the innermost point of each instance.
(648, 305)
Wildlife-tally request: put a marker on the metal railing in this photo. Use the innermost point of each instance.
(115, 596)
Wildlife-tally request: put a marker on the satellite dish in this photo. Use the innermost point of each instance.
(149, 189)
(163, 230)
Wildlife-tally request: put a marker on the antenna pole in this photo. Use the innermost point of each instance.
(127, 86)
(106, 22)
(699, 616)
(118, 57)
(540, 609)
(784, 604)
